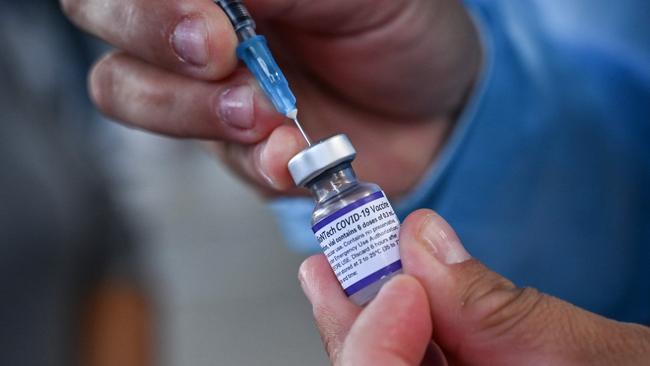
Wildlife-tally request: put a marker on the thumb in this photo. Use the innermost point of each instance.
(481, 318)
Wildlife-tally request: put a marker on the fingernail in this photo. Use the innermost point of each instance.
(262, 161)
(189, 41)
(301, 278)
(236, 107)
(434, 356)
(441, 241)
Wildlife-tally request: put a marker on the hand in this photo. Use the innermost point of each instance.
(392, 74)
(475, 316)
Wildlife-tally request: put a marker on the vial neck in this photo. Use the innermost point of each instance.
(332, 182)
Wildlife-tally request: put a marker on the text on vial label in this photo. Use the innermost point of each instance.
(361, 241)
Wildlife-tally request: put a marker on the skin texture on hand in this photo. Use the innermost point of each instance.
(392, 74)
(474, 315)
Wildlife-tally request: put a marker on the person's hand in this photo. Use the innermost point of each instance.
(474, 315)
(392, 74)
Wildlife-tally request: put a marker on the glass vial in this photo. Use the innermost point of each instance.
(353, 221)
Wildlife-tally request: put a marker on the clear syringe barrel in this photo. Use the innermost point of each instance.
(253, 50)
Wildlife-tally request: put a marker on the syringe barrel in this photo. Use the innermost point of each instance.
(239, 17)
(256, 55)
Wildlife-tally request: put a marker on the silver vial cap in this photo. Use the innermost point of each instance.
(326, 154)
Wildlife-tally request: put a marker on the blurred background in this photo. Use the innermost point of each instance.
(121, 247)
(225, 284)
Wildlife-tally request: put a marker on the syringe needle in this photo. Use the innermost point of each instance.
(302, 131)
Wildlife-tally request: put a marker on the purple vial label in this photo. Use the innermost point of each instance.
(361, 241)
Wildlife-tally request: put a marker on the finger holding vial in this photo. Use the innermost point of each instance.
(264, 164)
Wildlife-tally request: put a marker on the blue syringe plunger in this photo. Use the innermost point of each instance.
(254, 52)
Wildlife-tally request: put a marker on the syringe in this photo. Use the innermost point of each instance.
(254, 51)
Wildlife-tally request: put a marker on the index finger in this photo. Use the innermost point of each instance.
(394, 329)
(192, 37)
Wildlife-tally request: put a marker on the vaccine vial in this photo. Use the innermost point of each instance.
(353, 221)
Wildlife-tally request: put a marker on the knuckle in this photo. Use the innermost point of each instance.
(520, 317)
(481, 284)
(498, 307)
(512, 310)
